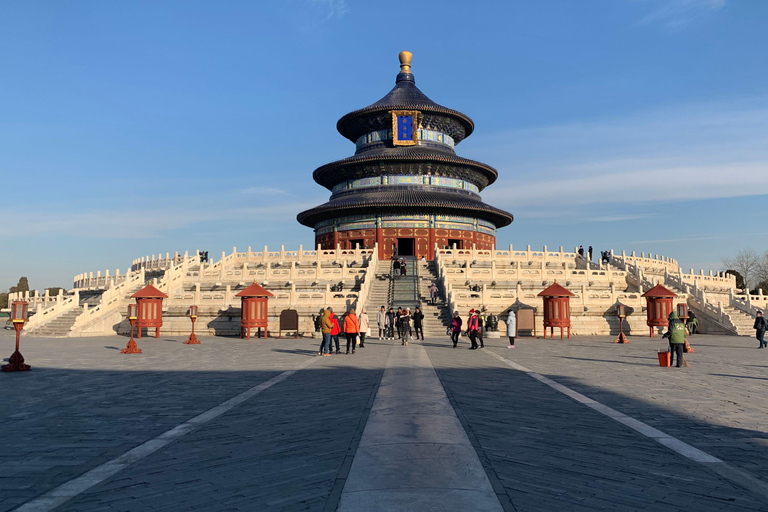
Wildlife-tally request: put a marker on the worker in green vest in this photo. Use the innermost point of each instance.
(676, 334)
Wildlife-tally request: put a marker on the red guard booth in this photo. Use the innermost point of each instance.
(557, 309)
(253, 310)
(659, 306)
(150, 301)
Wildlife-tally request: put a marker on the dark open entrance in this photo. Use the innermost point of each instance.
(356, 243)
(405, 247)
(454, 241)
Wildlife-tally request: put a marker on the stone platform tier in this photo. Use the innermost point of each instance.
(304, 280)
(508, 280)
(500, 280)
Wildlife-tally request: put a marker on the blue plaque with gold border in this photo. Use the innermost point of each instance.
(405, 127)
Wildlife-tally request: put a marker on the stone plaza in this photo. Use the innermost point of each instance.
(265, 424)
(575, 424)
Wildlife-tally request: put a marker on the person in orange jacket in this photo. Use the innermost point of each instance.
(335, 330)
(351, 328)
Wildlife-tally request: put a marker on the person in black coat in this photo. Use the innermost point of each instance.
(759, 327)
(418, 323)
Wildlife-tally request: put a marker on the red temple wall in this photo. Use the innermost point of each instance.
(424, 239)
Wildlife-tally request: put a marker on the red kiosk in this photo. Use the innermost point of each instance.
(150, 301)
(659, 306)
(19, 314)
(557, 309)
(254, 310)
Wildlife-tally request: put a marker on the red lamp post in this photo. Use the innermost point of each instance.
(133, 317)
(621, 312)
(192, 340)
(19, 314)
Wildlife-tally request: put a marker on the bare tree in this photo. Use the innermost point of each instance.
(762, 268)
(747, 263)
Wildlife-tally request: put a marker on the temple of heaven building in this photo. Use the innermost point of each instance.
(405, 187)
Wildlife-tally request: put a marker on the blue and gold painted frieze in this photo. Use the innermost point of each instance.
(437, 181)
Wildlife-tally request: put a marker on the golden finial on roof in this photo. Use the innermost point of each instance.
(405, 61)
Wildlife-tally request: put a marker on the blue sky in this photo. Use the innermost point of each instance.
(132, 128)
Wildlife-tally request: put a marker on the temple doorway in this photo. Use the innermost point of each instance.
(357, 243)
(405, 247)
(452, 242)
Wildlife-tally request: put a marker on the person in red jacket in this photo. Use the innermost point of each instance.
(473, 326)
(351, 329)
(335, 331)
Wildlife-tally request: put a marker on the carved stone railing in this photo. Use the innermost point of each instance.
(111, 300)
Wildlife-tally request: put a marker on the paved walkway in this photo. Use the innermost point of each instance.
(267, 425)
(414, 453)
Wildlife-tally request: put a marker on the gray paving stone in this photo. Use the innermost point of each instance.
(290, 447)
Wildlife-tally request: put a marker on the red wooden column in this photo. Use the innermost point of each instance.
(660, 306)
(150, 301)
(253, 310)
(557, 309)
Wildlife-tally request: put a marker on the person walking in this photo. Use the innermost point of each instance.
(381, 320)
(692, 322)
(589, 253)
(326, 326)
(433, 293)
(364, 326)
(759, 327)
(405, 326)
(455, 328)
(335, 331)
(396, 268)
(402, 268)
(581, 251)
(418, 323)
(472, 328)
(390, 324)
(511, 329)
(397, 322)
(351, 329)
(676, 335)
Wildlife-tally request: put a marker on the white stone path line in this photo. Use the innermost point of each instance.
(414, 454)
(737, 476)
(68, 490)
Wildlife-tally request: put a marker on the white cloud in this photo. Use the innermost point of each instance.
(331, 8)
(689, 152)
(677, 13)
(266, 191)
(153, 222)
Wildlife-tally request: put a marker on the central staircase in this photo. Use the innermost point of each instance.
(437, 317)
(409, 291)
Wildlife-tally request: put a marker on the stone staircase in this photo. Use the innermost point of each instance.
(742, 321)
(380, 291)
(437, 317)
(58, 326)
(404, 288)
